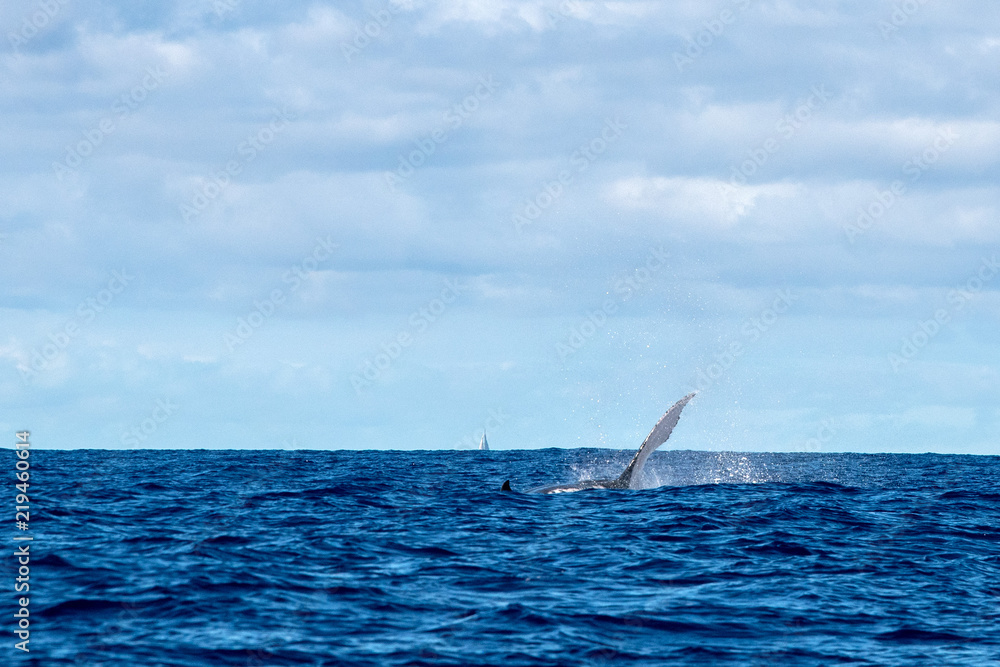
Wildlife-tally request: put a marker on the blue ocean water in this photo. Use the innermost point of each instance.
(415, 558)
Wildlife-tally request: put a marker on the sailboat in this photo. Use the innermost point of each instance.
(483, 445)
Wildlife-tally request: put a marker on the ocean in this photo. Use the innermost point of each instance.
(383, 558)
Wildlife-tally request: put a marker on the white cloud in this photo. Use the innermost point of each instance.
(568, 66)
(693, 202)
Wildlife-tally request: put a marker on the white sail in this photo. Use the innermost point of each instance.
(483, 445)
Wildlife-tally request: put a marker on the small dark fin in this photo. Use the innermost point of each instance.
(506, 486)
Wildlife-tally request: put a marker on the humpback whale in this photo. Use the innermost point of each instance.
(630, 476)
(483, 445)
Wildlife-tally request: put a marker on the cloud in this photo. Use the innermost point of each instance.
(698, 202)
(750, 165)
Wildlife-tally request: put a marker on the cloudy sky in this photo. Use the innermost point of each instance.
(390, 224)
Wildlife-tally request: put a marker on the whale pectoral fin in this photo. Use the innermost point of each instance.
(506, 486)
(656, 437)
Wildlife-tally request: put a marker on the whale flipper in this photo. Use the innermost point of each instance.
(656, 437)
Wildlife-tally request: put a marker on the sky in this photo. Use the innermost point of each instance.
(390, 225)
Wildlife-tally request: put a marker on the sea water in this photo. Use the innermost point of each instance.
(416, 558)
